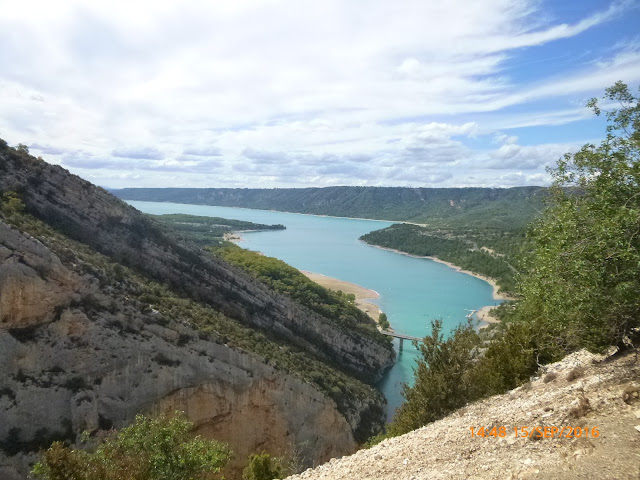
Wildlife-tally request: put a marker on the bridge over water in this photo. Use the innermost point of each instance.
(401, 336)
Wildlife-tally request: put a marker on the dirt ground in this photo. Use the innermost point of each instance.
(591, 394)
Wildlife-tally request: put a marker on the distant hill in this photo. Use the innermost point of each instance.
(502, 208)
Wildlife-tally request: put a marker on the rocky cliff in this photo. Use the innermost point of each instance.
(103, 315)
(94, 217)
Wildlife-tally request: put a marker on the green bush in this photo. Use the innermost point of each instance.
(383, 321)
(442, 378)
(262, 467)
(149, 449)
(582, 277)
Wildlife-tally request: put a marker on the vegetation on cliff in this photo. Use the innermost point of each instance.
(578, 287)
(149, 449)
(289, 281)
(132, 279)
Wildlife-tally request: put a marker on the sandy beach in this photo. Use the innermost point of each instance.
(362, 294)
(485, 316)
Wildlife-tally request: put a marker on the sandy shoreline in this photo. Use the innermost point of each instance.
(485, 316)
(482, 314)
(362, 294)
(496, 294)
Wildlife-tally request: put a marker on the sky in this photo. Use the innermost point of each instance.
(297, 93)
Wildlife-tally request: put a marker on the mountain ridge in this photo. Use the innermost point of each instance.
(504, 208)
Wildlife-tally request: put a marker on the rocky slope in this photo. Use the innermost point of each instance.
(92, 216)
(104, 315)
(583, 390)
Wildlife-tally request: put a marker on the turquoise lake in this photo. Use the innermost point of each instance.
(413, 291)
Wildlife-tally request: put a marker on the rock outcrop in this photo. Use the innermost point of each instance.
(27, 298)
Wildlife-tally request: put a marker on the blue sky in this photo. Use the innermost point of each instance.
(290, 93)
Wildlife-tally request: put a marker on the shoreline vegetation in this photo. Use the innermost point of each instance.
(483, 314)
(475, 207)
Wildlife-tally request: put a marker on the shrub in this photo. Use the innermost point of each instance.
(383, 321)
(441, 378)
(149, 449)
(162, 359)
(262, 467)
(76, 384)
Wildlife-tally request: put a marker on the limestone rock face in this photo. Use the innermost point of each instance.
(25, 297)
(271, 412)
(78, 374)
(67, 366)
(77, 371)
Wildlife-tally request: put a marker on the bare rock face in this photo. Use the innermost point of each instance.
(82, 372)
(26, 298)
(271, 412)
(68, 366)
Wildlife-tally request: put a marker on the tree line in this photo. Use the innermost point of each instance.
(578, 283)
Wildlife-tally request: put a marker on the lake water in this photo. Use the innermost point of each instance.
(413, 291)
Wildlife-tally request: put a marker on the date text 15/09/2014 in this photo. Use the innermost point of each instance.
(535, 432)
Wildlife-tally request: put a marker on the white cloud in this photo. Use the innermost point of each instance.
(145, 153)
(326, 91)
(514, 156)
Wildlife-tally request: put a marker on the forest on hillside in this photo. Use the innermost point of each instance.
(503, 208)
(483, 252)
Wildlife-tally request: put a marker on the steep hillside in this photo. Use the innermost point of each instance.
(583, 391)
(104, 314)
(91, 216)
(507, 209)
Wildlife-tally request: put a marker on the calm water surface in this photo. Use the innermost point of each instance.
(412, 290)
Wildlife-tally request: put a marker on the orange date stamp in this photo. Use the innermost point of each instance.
(536, 432)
